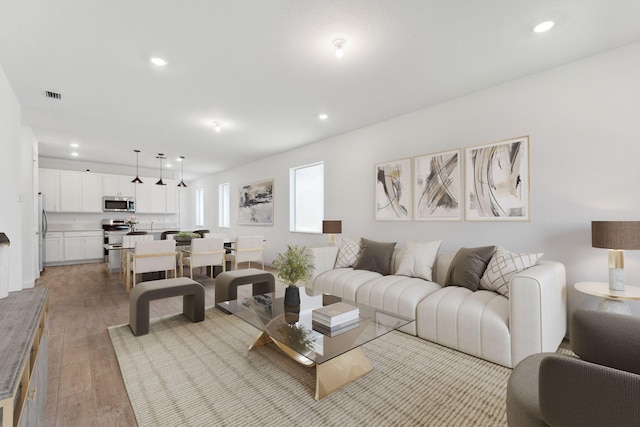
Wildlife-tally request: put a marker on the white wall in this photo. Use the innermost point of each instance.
(10, 177)
(584, 151)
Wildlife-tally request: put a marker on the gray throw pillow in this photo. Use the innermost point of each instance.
(375, 256)
(468, 266)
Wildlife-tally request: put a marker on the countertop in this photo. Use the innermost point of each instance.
(19, 316)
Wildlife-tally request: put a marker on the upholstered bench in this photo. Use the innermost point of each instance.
(227, 282)
(192, 300)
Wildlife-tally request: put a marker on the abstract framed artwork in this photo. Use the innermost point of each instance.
(256, 203)
(497, 181)
(393, 197)
(437, 182)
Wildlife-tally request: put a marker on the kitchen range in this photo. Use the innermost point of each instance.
(114, 229)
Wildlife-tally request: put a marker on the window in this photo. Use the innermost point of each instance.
(200, 207)
(307, 198)
(223, 205)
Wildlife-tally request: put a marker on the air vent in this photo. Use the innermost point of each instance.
(53, 95)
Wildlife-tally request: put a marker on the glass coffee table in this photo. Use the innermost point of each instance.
(336, 356)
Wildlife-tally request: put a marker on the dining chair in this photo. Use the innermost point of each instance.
(203, 253)
(152, 256)
(247, 249)
(169, 234)
(128, 243)
(201, 232)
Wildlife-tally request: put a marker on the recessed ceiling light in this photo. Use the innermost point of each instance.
(74, 145)
(543, 26)
(216, 127)
(323, 116)
(74, 154)
(159, 61)
(339, 45)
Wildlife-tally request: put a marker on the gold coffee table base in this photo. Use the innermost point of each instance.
(330, 375)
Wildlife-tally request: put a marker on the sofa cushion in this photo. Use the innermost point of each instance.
(476, 323)
(467, 267)
(348, 253)
(343, 282)
(375, 256)
(418, 258)
(501, 268)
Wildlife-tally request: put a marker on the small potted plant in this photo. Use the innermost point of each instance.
(294, 266)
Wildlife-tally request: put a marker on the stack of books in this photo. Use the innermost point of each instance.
(335, 319)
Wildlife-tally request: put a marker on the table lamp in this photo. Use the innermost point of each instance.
(332, 228)
(616, 236)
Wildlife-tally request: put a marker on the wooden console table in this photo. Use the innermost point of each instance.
(23, 351)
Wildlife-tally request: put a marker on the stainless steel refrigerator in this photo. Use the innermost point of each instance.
(42, 230)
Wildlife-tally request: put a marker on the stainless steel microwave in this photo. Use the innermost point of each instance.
(118, 204)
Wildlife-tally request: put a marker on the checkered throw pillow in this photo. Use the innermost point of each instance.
(503, 266)
(348, 253)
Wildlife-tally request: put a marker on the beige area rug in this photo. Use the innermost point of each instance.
(202, 374)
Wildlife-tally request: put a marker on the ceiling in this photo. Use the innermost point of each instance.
(264, 70)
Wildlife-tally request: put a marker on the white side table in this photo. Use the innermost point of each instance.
(613, 300)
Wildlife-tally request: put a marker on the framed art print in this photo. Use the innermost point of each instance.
(497, 181)
(256, 203)
(437, 182)
(393, 196)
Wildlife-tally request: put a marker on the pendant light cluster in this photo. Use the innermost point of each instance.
(162, 157)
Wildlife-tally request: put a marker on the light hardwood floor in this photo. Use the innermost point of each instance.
(85, 387)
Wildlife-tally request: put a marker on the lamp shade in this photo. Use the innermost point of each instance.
(615, 234)
(332, 227)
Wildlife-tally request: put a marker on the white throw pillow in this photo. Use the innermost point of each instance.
(503, 266)
(418, 259)
(348, 253)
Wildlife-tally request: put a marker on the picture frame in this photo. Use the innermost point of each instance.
(255, 203)
(393, 194)
(437, 183)
(497, 182)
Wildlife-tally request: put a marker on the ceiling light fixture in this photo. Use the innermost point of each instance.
(543, 27)
(137, 179)
(182, 184)
(323, 116)
(74, 154)
(74, 144)
(158, 61)
(339, 45)
(161, 157)
(216, 127)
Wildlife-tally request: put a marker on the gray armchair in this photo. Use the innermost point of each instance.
(600, 388)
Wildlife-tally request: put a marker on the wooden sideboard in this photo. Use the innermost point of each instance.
(24, 333)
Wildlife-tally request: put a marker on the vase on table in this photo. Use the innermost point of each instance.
(292, 296)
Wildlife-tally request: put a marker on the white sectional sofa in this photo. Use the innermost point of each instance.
(483, 323)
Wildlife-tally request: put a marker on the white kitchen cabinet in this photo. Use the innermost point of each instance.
(143, 200)
(118, 185)
(93, 246)
(49, 185)
(91, 193)
(172, 197)
(70, 191)
(80, 192)
(54, 247)
(158, 195)
(82, 245)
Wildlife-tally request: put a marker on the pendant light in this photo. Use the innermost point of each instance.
(161, 157)
(182, 184)
(137, 179)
